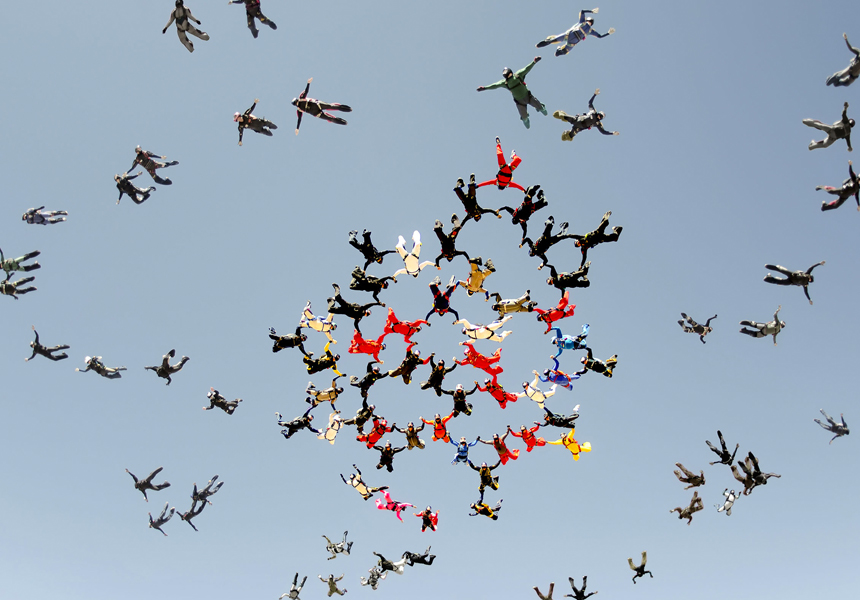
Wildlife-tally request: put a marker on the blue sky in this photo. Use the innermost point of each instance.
(710, 178)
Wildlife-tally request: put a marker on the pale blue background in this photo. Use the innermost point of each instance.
(710, 178)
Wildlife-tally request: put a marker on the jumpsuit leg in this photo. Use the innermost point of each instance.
(252, 25)
(197, 33)
(185, 41)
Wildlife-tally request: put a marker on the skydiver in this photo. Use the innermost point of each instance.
(569, 342)
(832, 426)
(689, 477)
(754, 475)
(392, 505)
(569, 422)
(504, 177)
(360, 345)
(323, 325)
(589, 363)
(376, 575)
(362, 488)
(165, 370)
(487, 478)
(695, 506)
(252, 10)
(182, 15)
(477, 331)
(524, 211)
(563, 281)
(515, 83)
(448, 241)
(202, 495)
(297, 424)
(187, 516)
(850, 187)
(462, 446)
(413, 559)
(723, 452)
(764, 329)
(329, 394)
(164, 517)
(146, 483)
(801, 278)
(387, 565)
(470, 201)
(339, 548)
(575, 34)
(95, 363)
(437, 375)
(459, 395)
(332, 584)
(11, 288)
(569, 441)
(430, 520)
(125, 186)
(849, 74)
(477, 276)
(247, 120)
(730, 501)
(579, 594)
(409, 364)
(640, 570)
(367, 249)
(692, 327)
(593, 238)
(371, 376)
(498, 443)
(442, 300)
(144, 159)
(411, 264)
(38, 216)
(316, 108)
(291, 340)
(558, 377)
(528, 436)
(479, 361)
(356, 312)
(592, 118)
(386, 455)
(497, 392)
(513, 305)
(295, 590)
(411, 433)
(327, 361)
(533, 392)
(362, 416)
(405, 328)
(482, 508)
(440, 431)
(840, 130)
(216, 399)
(548, 594)
(547, 240)
(44, 350)
(335, 423)
(363, 282)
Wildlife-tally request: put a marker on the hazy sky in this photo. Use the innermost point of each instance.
(710, 178)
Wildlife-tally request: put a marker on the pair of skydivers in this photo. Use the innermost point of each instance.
(10, 266)
(182, 15)
(578, 594)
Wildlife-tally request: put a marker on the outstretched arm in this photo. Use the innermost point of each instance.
(856, 51)
(172, 18)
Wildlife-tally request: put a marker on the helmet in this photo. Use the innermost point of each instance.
(178, 3)
(236, 116)
(137, 149)
(295, 102)
(87, 359)
(507, 72)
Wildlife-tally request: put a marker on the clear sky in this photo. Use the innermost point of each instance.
(710, 178)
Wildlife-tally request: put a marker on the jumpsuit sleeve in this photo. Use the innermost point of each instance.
(250, 110)
(190, 16)
(856, 51)
(241, 132)
(599, 127)
(170, 22)
(493, 86)
(525, 70)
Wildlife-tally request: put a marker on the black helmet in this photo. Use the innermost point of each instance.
(507, 72)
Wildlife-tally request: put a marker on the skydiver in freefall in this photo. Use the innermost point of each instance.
(146, 483)
(10, 265)
(297, 424)
(689, 477)
(252, 11)
(413, 559)
(579, 594)
(338, 548)
(448, 241)
(840, 130)
(356, 312)
(442, 300)
(331, 580)
(360, 486)
(565, 281)
(367, 249)
(849, 74)
(44, 350)
(217, 400)
(411, 260)
(316, 108)
(723, 452)
(477, 276)
(593, 238)
(95, 363)
(692, 327)
(470, 201)
(759, 330)
(190, 514)
(362, 415)
(589, 363)
(11, 288)
(548, 594)
(165, 370)
(437, 375)
(593, 118)
(291, 340)
(144, 159)
(686, 512)
(125, 186)
(840, 428)
(526, 209)
(515, 83)
(800, 278)
(182, 15)
(575, 34)
(727, 505)
(547, 240)
(202, 495)
(362, 282)
(640, 570)
(504, 177)
(247, 120)
(850, 187)
(481, 508)
(295, 590)
(39, 216)
(164, 517)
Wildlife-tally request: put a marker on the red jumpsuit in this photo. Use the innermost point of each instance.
(504, 454)
(505, 174)
(439, 430)
(359, 345)
(429, 519)
(529, 437)
(406, 328)
(380, 428)
(479, 361)
(555, 314)
(498, 392)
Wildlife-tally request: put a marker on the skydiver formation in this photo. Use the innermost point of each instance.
(363, 282)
